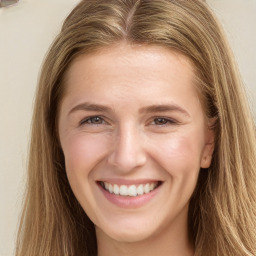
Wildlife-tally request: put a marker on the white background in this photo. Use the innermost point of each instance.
(26, 31)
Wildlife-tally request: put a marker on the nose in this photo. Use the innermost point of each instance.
(128, 150)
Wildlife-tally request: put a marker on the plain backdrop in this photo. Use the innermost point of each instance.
(26, 31)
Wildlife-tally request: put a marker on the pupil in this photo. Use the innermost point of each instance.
(96, 120)
(160, 121)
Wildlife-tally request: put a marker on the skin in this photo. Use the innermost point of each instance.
(127, 142)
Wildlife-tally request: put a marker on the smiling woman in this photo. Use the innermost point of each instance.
(142, 141)
(114, 155)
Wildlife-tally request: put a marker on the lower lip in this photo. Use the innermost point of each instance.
(129, 201)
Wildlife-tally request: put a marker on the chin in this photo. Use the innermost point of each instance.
(133, 234)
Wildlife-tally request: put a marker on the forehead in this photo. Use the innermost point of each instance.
(138, 60)
(129, 71)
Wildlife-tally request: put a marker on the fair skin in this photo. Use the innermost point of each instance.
(131, 121)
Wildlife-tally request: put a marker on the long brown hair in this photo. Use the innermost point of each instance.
(222, 219)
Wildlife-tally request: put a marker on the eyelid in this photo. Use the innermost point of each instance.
(86, 119)
(170, 121)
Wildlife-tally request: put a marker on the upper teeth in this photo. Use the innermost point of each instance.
(129, 190)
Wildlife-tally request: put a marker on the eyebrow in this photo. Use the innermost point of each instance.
(86, 106)
(164, 108)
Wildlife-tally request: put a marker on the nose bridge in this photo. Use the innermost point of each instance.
(128, 148)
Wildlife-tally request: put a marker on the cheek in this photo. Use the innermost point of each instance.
(182, 154)
(83, 152)
(181, 161)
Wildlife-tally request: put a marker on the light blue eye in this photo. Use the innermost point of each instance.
(96, 120)
(162, 121)
(93, 120)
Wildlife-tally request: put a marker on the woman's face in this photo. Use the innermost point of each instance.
(134, 136)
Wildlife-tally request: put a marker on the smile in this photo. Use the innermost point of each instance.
(132, 190)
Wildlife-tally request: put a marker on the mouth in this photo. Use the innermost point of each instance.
(131, 190)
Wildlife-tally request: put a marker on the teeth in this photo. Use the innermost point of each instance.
(140, 190)
(146, 189)
(116, 190)
(131, 190)
(110, 188)
(123, 190)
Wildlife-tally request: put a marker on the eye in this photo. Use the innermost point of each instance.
(93, 120)
(162, 121)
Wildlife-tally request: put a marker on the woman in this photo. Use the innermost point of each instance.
(142, 140)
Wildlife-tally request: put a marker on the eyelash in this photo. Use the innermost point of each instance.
(90, 121)
(167, 121)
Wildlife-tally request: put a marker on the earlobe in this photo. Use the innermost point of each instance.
(206, 158)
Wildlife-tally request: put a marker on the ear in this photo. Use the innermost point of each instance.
(208, 149)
